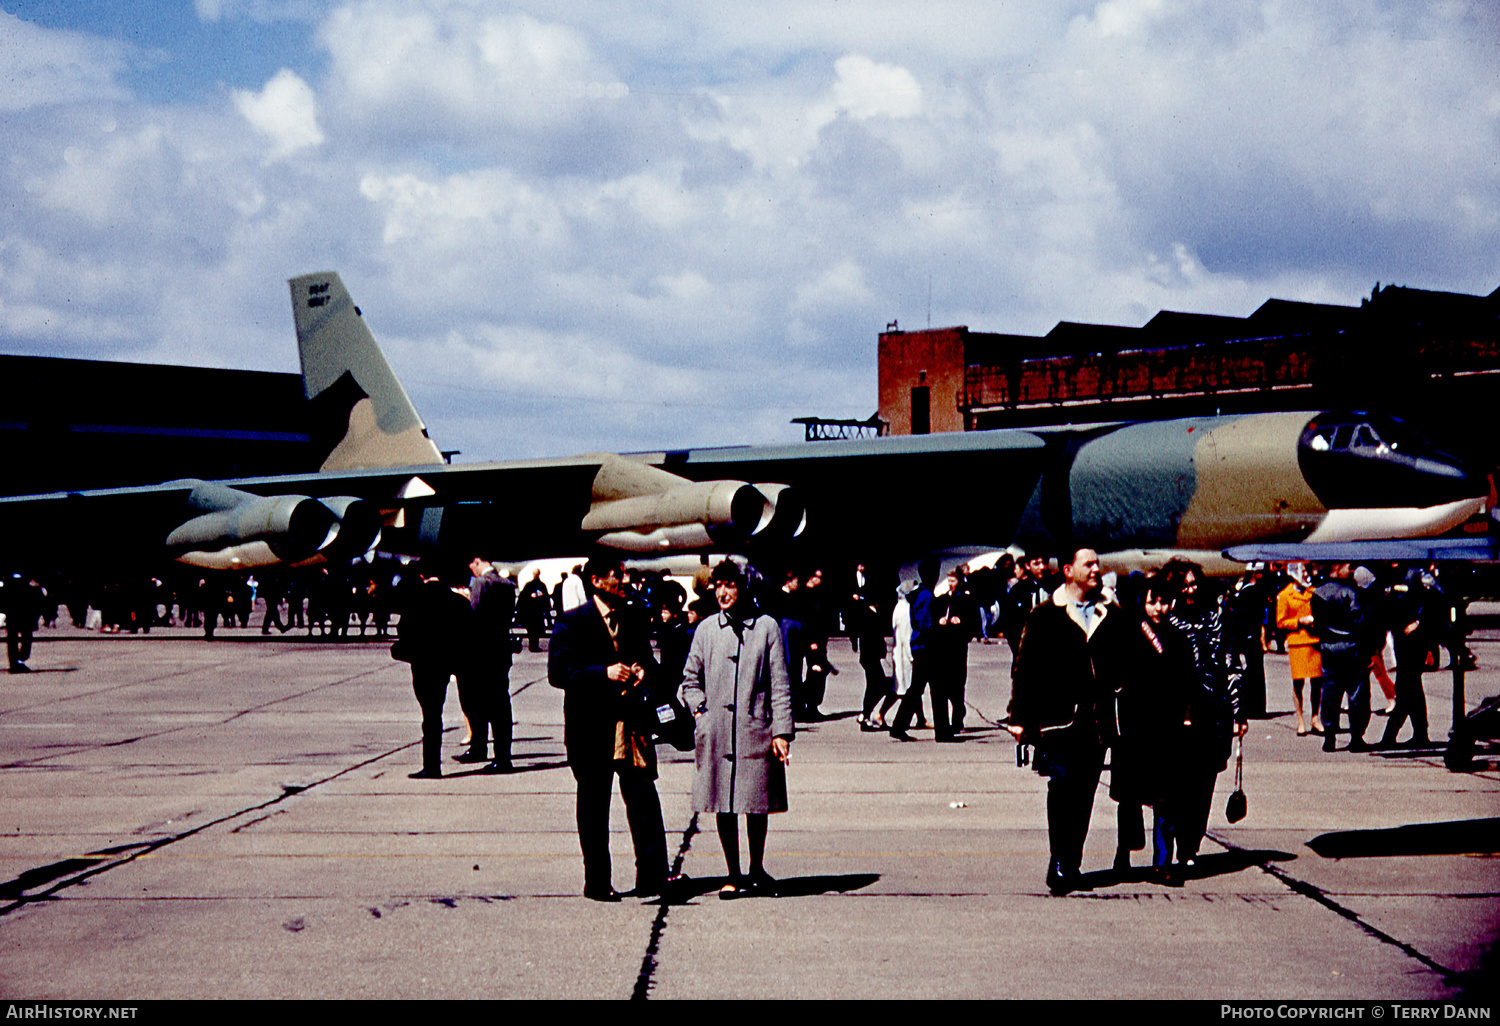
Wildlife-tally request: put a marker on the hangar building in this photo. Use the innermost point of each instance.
(75, 424)
(1423, 354)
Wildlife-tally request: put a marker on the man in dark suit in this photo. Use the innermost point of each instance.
(600, 656)
(955, 621)
(1062, 693)
(435, 634)
(484, 683)
(1346, 640)
(21, 602)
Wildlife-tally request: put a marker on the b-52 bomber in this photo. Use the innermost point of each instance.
(1289, 482)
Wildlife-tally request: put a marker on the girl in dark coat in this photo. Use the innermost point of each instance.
(1150, 708)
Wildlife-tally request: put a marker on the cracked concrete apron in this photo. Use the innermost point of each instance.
(234, 819)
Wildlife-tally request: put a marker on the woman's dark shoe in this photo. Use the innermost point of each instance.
(759, 885)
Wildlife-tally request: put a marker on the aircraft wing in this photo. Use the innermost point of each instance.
(896, 497)
(304, 517)
(857, 494)
(1202, 483)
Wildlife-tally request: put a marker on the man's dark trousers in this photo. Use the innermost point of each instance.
(430, 682)
(911, 702)
(642, 810)
(484, 695)
(1346, 673)
(1072, 765)
(18, 645)
(1411, 700)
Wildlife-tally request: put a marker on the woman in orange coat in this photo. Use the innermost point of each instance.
(1294, 615)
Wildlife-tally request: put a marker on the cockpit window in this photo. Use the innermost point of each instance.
(1359, 459)
(1347, 436)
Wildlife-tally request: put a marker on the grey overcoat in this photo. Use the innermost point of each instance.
(736, 680)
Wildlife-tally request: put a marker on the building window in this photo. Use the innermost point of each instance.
(921, 404)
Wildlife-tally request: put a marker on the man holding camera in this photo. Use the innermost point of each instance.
(601, 658)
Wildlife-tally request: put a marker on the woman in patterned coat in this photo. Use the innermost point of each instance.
(1213, 704)
(736, 684)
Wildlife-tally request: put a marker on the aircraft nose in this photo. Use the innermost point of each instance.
(1358, 461)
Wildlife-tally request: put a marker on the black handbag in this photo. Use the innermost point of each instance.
(666, 719)
(1237, 806)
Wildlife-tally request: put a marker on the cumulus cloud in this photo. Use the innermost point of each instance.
(285, 112)
(780, 128)
(602, 226)
(866, 89)
(450, 70)
(39, 67)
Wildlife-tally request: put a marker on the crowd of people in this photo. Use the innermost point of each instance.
(323, 601)
(1164, 674)
(1162, 671)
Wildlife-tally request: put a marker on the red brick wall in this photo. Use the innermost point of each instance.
(933, 357)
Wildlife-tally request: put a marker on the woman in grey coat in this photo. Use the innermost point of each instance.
(736, 684)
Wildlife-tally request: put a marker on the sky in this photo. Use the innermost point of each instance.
(582, 226)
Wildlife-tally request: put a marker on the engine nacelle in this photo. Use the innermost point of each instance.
(688, 516)
(243, 530)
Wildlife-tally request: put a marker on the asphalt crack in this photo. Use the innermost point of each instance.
(1314, 893)
(72, 872)
(100, 862)
(646, 979)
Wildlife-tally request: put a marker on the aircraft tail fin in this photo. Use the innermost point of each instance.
(362, 419)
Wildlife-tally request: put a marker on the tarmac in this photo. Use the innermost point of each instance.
(186, 819)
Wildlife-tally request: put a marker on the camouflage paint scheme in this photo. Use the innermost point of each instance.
(356, 397)
(1188, 484)
(1137, 490)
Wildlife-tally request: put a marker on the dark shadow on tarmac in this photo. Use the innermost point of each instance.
(791, 887)
(1458, 837)
(1407, 750)
(51, 669)
(18, 887)
(806, 886)
(517, 769)
(1208, 866)
(832, 717)
(249, 635)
